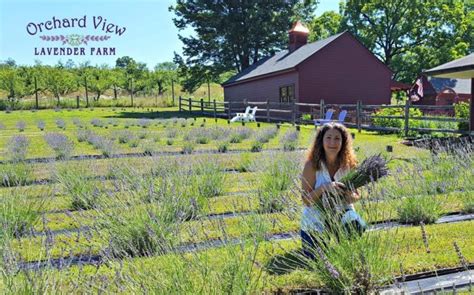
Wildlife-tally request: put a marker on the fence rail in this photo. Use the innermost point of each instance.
(360, 116)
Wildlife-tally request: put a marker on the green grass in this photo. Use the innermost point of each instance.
(415, 174)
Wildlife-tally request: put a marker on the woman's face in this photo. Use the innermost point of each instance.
(332, 142)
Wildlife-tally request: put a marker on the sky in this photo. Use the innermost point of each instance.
(149, 36)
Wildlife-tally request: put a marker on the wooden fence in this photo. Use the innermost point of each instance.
(359, 116)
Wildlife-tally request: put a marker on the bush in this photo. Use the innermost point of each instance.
(461, 110)
(15, 174)
(414, 210)
(75, 184)
(278, 174)
(18, 214)
(17, 148)
(60, 144)
(396, 123)
(223, 147)
(256, 147)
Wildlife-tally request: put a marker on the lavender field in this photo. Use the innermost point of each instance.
(148, 201)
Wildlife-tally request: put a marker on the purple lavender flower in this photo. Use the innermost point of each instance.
(144, 122)
(21, 125)
(17, 147)
(61, 123)
(97, 123)
(2, 126)
(40, 124)
(60, 143)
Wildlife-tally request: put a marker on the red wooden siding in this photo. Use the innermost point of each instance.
(262, 89)
(343, 72)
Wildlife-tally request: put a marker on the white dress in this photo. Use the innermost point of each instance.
(311, 219)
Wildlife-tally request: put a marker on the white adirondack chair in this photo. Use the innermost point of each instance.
(251, 116)
(241, 116)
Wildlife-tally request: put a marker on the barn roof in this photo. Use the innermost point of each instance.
(281, 61)
(460, 86)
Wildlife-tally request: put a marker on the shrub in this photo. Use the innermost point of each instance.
(278, 173)
(21, 125)
(40, 124)
(18, 214)
(17, 148)
(97, 123)
(60, 144)
(265, 134)
(15, 174)
(61, 124)
(209, 178)
(188, 148)
(289, 140)
(461, 110)
(223, 147)
(74, 181)
(396, 123)
(256, 146)
(414, 210)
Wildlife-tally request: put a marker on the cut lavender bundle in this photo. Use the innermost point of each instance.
(370, 170)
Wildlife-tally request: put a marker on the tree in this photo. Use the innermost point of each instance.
(60, 81)
(162, 75)
(99, 80)
(232, 35)
(328, 24)
(12, 82)
(410, 35)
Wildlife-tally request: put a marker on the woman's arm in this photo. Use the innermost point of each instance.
(310, 195)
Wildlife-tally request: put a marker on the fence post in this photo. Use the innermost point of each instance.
(189, 105)
(268, 110)
(321, 108)
(36, 94)
(293, 119)
(407, 116)
(471, 108)
(359, 115)
(77, 101)
(202, 106)
(131, 91)
(87, 93)
(179, 103)
(228, 109)
(215, 109)
(172, 93)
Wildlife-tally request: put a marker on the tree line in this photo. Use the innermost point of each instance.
(64, 78)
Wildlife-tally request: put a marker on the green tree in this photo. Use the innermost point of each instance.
(60, 81)
(11, 81)
(411, 35)
(162, 76)
(99, 80)
(328, 24)
(232, 35)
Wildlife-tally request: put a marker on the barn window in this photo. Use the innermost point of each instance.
(287, 93)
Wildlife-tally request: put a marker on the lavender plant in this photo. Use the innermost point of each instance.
(40, 124)
(144, 122)
(17, 148)
(61, 124)
(60, 144)
(419, 209)
(264, 135)
(84, 193)
(278, 173)
(15, 174)
(289, 140)
(97, 122)
(21, 125)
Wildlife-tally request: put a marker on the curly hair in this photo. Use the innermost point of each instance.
(345, 158)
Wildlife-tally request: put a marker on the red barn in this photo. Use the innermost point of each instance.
(444, 91)
(338, 69)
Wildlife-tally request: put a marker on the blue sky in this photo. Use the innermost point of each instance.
(150, 35)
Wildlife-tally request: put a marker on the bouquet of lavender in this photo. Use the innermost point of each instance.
(370, 170)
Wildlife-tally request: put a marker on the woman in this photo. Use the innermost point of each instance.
(330, 158)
